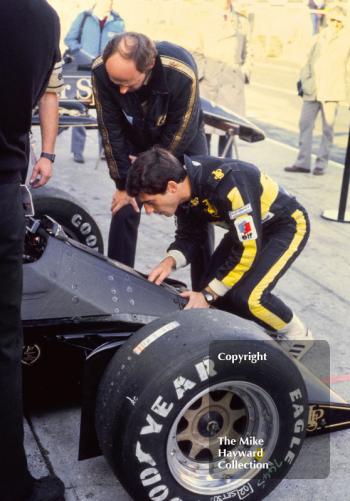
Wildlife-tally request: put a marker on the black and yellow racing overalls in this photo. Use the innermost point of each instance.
(267, 230)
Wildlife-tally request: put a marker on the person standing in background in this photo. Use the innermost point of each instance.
(89, 34)
(225, 57)
(323, 85)
(27, 59)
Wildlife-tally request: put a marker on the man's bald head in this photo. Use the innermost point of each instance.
(132, 46)
(129, 58)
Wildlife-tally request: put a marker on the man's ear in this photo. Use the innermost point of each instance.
(172, 187)
(152, 63)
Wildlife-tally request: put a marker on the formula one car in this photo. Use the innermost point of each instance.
(184, 405)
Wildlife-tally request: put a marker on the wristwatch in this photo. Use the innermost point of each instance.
(49, 156)
(208, 296)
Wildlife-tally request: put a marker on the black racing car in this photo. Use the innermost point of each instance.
(185, 405)
(179, 402)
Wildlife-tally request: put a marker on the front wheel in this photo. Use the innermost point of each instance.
(178, 420)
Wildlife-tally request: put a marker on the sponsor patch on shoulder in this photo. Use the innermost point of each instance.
(195, 163)
(246, 209)
(245, 228)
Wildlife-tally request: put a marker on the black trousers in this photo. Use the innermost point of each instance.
(15, 480)
(251, 297)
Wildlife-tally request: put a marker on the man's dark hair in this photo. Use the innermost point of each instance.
(137, 47)
(151, 172)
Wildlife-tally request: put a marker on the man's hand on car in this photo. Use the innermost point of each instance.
(42, 172)
(195, 300)
(121, 198)
(162, 270)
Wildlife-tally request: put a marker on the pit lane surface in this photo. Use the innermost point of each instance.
(316, 287)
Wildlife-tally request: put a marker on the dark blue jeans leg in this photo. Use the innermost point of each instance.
(78, 140)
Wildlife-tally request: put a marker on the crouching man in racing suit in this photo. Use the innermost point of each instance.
(267, 230)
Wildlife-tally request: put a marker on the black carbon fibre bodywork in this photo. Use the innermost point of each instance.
(77, 298)
(73, 283)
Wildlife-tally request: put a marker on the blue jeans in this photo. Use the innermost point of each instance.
(79, 139)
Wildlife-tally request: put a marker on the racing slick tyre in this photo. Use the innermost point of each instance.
(177, 420)
(65, 210)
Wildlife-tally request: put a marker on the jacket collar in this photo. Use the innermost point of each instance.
(157, 81)
(112, 16)
(194, 171)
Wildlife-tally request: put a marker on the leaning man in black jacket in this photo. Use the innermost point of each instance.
(27, 59)
(146, 94)
(267, 230)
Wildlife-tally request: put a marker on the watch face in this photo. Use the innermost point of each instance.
(208, 297)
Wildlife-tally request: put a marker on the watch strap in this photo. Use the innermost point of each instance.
(49, 156)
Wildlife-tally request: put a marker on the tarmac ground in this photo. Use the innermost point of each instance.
(317, 287)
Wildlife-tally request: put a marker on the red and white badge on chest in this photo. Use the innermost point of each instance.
(245, 228)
